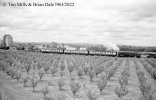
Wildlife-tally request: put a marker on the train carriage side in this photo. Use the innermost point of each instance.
(80, 52)
(103, 53)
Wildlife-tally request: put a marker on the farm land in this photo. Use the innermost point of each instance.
(38, 76)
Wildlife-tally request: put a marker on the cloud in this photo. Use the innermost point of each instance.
(115, 21)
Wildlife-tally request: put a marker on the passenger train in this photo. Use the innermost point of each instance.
(81, 52)
(94, 53)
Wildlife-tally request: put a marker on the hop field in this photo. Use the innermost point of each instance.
(38, 76)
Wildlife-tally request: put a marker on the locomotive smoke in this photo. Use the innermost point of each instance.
(111, 46)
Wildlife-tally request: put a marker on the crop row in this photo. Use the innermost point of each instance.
(151, 70)
(32, 67)
(145, 86)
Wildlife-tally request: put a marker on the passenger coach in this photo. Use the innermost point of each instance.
(80, 52)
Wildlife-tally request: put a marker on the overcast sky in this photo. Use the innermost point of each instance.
(131, 22)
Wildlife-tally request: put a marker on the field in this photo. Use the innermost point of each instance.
(38, 76)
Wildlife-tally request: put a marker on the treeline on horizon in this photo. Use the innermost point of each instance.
(137, 49)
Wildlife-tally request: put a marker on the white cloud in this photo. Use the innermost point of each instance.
(114, 21)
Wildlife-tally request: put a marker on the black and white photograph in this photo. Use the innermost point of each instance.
(77, 49)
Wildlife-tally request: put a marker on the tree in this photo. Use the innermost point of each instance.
(61, 83)
(45, 91)
(74, 87)
(34, 83)
(71, 69)
(41, 73)
(27, 67)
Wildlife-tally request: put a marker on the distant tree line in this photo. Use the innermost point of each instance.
(137, 49)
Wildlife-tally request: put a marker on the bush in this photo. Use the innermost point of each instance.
(40, 64)
(153, 74)
(9, 61)
(146, 97)
(55, 64)
(61, 96)
(41, 73)
(111, 73)
(8, 71)
(4, 65)
(47, 68)
(92, 95)
(141, 77)
(25, 80)
(91, 67)
(123, 81)
(18, 75)
(125, 73)
(34, 83)
(22, 67)
(145, 88)
(85, 69)
(62, 73)
(98, 70)
(61, 83)
(121, 91)
(27, 67)
(103, 77)
(74, 87)
(34, 65)
(80, 72)
(62, 66)
(12, 72)
(101, 85)
(45, 90)
(54, 70)
(91, 75)
(71, 69)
